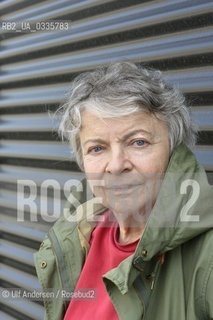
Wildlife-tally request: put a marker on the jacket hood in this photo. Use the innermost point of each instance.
(183, 209)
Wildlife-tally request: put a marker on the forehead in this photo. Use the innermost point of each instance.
(94, 124)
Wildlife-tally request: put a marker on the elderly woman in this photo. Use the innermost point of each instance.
(141, 247)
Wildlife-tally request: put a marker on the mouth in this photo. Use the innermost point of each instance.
(122, 188)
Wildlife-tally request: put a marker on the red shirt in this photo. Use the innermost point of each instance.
(105, 253)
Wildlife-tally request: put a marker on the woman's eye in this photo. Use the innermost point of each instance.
(139, 142)
(96, 149)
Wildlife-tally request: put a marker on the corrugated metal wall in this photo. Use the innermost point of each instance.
(36, 68)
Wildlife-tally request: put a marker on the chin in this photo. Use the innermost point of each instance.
(122, 211)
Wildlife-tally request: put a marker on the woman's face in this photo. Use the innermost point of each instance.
(125, 159)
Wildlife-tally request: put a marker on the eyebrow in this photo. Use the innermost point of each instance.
(126, 136)
(133, 132)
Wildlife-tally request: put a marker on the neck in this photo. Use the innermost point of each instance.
(130, 229)
(129, 234)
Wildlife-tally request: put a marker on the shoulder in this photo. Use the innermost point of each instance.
(205, 277)
(198, 252)
(198, 270)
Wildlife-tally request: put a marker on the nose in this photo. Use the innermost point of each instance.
(118, 162)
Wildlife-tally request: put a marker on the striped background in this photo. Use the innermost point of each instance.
(36, 68)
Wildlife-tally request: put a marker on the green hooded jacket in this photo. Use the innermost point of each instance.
(170, 275)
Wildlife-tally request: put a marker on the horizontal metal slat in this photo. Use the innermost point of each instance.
(52, 9)
(8, 3)
(170, 46)
(11, 174)
(192, 80)
(21, 231)
(16, 252)
(33, 122)
(205, 155)
(20, 11)
(48, 208)
(18, 278)
(25, 307)
(9, 6)
(35, 150)
(203, 117)
(123, 20)
(39, 95)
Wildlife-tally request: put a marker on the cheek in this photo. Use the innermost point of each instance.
(93, 164)
(94, 173)
(152, 163)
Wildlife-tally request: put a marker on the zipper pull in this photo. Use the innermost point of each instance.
(153, 280)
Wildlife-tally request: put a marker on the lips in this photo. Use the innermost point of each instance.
(121, 186)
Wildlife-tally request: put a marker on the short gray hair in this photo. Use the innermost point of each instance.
(120, 89)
